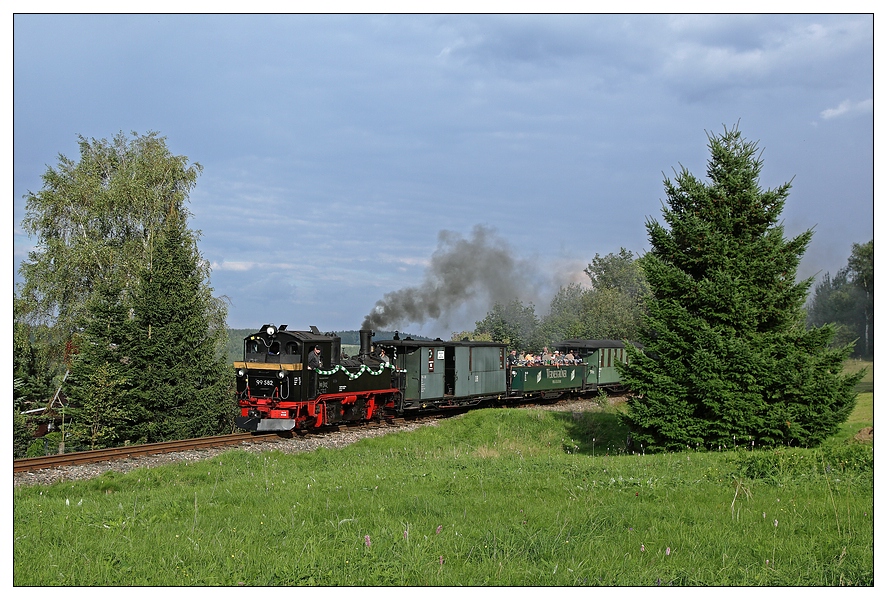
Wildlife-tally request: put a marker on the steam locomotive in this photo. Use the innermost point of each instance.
(277, 390)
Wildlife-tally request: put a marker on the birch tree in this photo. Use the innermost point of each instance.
(94, 220)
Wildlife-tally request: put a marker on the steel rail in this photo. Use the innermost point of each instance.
(108, 454)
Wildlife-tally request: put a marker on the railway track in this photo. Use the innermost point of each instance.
(26, 465)
(108, 454)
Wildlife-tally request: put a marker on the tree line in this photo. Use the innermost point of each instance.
(116, 324)
(848, 301)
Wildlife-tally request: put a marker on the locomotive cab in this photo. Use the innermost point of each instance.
(267, 347)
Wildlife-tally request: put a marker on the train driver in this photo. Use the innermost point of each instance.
(314, 362)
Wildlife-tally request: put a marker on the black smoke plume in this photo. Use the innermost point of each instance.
(481, 268)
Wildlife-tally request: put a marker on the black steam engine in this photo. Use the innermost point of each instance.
(278, 391)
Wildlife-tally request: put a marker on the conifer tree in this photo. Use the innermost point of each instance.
(727, 359)
(97, 388)
(182, 384)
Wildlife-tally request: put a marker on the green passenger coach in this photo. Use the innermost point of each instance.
(551, 380)
(446, 374)
(601, 357)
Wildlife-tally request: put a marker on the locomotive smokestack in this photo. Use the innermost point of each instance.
(366, 336)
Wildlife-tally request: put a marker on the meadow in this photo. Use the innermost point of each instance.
(495, 497)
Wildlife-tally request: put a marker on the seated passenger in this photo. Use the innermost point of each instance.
(546, 356)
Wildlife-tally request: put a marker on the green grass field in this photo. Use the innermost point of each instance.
(496, 497)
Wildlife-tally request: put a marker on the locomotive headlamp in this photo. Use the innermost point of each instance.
(271, 330)
(280, 375)
(240, 372)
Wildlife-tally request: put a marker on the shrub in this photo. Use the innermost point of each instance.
(780, 464)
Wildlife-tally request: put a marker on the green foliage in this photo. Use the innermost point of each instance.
(792, 464)
(847, 301)
(45, 446)
(32, 376)
(235, 343)
(104, 226)
(94, 221)
(834, 301)
(472, 336)
(97, 387)
(618, 272)
(513, 324)
(96, 420)
(22, 434)
(611, 308)
(176, 344)
(566, 317)
(725, 350)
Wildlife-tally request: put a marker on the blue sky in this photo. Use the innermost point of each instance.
(347, 157)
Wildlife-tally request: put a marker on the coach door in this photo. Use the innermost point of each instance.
(608, 372)
(433, 374)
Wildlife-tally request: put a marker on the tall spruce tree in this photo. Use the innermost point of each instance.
(727, 359)
(181, 382)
